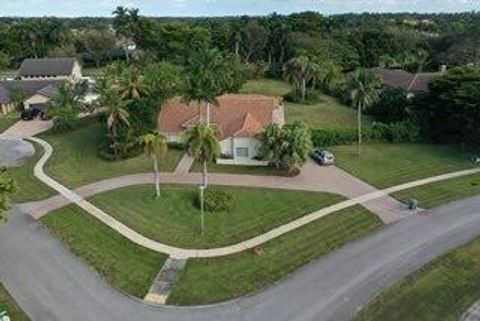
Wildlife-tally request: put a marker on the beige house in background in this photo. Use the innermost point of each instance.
(239, 118)
(38, 81)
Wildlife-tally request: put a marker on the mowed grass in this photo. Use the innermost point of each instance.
(442, 290)
(75, 161)
(175, 220)
(385, 165)
(328, 113)
(8, 120)
(14, 311)
(123, 264)
(268, 87)
(29, 188)
(442, 192)
(218, 279)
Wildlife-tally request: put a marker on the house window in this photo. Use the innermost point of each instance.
(242, 152)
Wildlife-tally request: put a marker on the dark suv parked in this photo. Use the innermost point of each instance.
(32, 114)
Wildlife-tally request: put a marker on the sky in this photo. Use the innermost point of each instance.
(69, 8)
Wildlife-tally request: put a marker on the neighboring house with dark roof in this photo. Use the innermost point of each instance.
(67, 69)
(38, 81)
(239, 118)
(411, 83)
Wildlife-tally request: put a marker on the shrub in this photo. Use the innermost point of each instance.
(176, 145)
(401, 132)
(311, 97)
(64, 122)
(216, 200)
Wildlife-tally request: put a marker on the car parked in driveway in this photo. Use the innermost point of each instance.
(31, 114)
(323, 157)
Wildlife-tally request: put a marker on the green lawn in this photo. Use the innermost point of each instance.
(218, 279)
(237, 169)
(29, 187)
(175, 220)
(13, 310)
(76, 162)
(385, 165)
(269, 87)
(328, 113)
(122, 263)
(8, 120)
(442, 290)
(439, 193)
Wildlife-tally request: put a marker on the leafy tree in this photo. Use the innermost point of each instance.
(391, 106)
(364, 86)
(202, 144)
(64, 108)
(161, 81)
(287, 147)
(5, 60)
(254, 39)
(451, 109)
(7, 187)
(155, 146)
(99, 44)
(299, 71)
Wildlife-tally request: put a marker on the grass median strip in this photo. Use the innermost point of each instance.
(122, 263)
(385, 165)
(75, 160)
(218, 279)
(442, 290)
(14, 311)
(175, 220)
(443, 192)
(29, 187)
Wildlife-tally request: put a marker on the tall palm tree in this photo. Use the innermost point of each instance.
(207, 76)
(117, 114)
(155, 147)
(202, 144)
(299, 71)
(364, 86)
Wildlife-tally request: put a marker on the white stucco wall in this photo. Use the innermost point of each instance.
(35, 99)
(229, 146)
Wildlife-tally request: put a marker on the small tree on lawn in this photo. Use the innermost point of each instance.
(203, 145)
(364, 86)
(300, 71)
(286, 148)
(7, 187)
(155, 146)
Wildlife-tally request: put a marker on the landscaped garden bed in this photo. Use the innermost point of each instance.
(125, 265)
(175, 220)
(218, 279)
(384, 165)
(76, 162)
(442, 290)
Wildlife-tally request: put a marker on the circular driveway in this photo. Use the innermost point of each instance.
(14, 151)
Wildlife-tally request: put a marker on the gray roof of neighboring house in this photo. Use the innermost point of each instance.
(47, 67)
(398, 78)
(47, 88)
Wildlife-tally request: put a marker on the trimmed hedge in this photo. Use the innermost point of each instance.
(402, 132)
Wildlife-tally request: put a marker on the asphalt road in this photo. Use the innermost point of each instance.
(51, 284)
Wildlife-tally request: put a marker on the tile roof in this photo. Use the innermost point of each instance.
(235, 115)
(398, 78)
(47, 67)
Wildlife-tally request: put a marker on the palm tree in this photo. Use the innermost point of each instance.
(300, 71)
(364, 86)
(155, 146)
(130, 85)
(65, 98)
(202, 144)
(333, 76)
(116, 112)
(207, 76)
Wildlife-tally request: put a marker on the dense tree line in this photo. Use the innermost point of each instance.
(350, 41)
